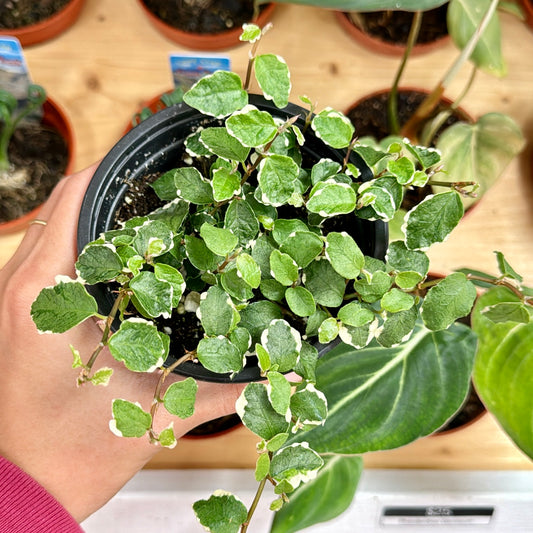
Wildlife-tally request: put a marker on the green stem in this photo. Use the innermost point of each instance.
(412, 126)
(392, 104)
(253, 507)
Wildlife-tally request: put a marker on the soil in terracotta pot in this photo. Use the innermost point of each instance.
(203, 16)
(45, 158)
(19, 13)
(393, 26)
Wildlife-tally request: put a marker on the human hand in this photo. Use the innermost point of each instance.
(56, 432)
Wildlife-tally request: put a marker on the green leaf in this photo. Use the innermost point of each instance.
(378, 397)
(329, 198)
(218, 94)
(283, 344)
(129, 419)
(256, 317)
(180, 397)
(139, 345)
(323, 498)
(151, 296)
(334, 128)
(480, 152)
(60, 308)
(234, 284)
(432, 220)
(277, 176)
(250, 33)
(450, 299)
(507, 312)
(300, 301)
(302, 246)
(283, 268)
(192, 186)
(503, 372)
(272, 75)
(326, 286)
(262, 467)
(257, 413)
(166, 438)
(252, 127)
(249, 270)
(172, 276)
(403, 169)
(401, 259)
(101, 376)
(241, 220)
(98, 263)
(372, 287)
(226, 184)
(216, 312)
(295, 464)
(355, 314)
(279, 392)
(199, 254)
(305, 365)
(221, 513)
(220, 241)
(397, 327)
(506, 269)
(396, 300)
(153, 239)
(328, 330)
(219, 355)
(283, 228)
(222, 144)
(309, 407)
(344, 254)
(275, 443)
(463, 18)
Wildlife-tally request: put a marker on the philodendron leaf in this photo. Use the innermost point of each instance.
(432, 220)
(252, 127)
(503, 371)
(221, 143)
(219, 355)
(218, 94)
(139, 345)
(60, 308)
(129, 419)
(179, 398)
(334, 128)
(381, 398)
(295, 464)
(98, 263)
(480, 152)
(272, 75)
(221, 513)
(463, 19)
(257, 413)
(449, 300)
(277, 176)
(323, 498)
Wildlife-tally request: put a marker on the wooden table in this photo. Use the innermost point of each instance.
(112, 60)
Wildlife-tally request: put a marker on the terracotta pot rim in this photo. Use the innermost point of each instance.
(528, 11)
(47, 28)
(203, 41)
(383, 47)
(53, 114)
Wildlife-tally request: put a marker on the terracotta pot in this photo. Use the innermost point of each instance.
(527, 6)
(383, 47)
(204, 41)
(54, 117)
(48, 28)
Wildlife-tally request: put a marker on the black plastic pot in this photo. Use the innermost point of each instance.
(154, 146)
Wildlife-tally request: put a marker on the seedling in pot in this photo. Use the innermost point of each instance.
(242, 244)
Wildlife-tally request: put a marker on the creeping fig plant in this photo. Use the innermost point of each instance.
(256, 243)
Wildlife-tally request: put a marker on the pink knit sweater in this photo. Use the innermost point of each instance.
(26, 507)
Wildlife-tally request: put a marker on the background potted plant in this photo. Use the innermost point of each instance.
(35, 22)
(29, 172)
(351, 289)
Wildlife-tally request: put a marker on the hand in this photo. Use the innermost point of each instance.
(56, 432)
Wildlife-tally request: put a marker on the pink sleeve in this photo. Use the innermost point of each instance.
(26, 507)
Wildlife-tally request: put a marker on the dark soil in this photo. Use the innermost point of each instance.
(203, 16)
(393, 26)
(45, 157)
(19, 13)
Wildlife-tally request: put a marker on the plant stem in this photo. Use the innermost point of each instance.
(412, 126)
(392, 104)
(253, 507)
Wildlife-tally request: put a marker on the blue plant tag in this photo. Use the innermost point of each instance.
(188, 69)
(14, 75)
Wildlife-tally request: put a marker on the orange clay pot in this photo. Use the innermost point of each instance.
(527, 6)
(48, 28)
(54, 117)
(383, 47)
(205, 41)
